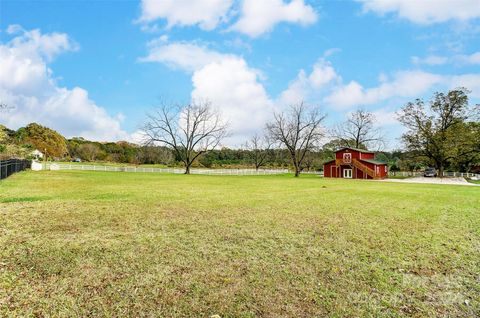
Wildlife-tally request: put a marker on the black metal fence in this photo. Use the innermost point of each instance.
(9, 167)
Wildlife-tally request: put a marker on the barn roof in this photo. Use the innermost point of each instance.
(355, 149)
(376, 162)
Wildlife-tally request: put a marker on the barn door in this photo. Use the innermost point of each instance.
(347, 173)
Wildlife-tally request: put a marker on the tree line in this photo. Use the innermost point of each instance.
(443, 132)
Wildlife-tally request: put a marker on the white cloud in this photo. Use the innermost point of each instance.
(27, 84)
(385, 117)
(184, 55)
(469, 81)
(260, 17)
(233, 87)
(459, 59)
(472, 59)
(424, 11)
(236, 88)
(45, 45)
(430, 60)
(255, 17)
(303, 86)
(223, 79)
(404, 84)
(207, 14)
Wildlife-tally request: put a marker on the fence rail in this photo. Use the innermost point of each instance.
(9, 167)
(231, 172)
(445, 174)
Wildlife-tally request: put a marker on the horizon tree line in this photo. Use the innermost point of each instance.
(442, 132)
(447, 131)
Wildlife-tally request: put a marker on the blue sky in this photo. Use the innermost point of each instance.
(94, 68)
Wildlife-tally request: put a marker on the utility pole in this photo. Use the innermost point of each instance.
(45, 159)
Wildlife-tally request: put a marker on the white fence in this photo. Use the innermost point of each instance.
(223, 172)
(445, 174)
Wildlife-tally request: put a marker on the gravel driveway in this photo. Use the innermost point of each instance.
(456, 181)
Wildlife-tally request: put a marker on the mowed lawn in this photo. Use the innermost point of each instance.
(96, 244)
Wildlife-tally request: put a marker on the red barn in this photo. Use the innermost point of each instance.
(354, 163)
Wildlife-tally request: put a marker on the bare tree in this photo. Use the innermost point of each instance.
(359, 131)
(259, 146)
(189, 131)
(299, 130)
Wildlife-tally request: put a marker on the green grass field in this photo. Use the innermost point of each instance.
(90, 244)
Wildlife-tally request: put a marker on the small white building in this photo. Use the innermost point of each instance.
(37, 154)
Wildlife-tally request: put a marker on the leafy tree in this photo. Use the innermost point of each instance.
(394, 168)
(43, 139)
(438, 132)
(3, 134)
(465, 155)
(3, 138)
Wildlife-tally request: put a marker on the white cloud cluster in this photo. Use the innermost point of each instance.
(27, 84)
(473, 59)
(404, 84)
(306, 85)
(255, 17)
(183, 55)
(207, 14)
(235, 88)
(259, 17)
(223, 79)
(425, 11)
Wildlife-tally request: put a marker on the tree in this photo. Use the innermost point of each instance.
(299, 130)
(359, 131)
(43, 139)
(313, 161)
(189, 131)
(465, 155)
(3, 134)
(88, 151)
(438, 133)
(259, 146)
(155, 155)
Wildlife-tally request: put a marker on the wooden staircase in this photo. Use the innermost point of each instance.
(360, 166)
